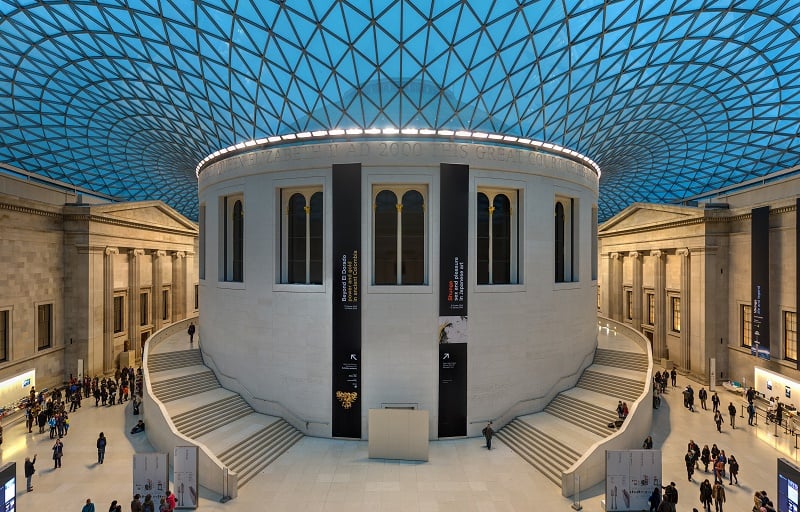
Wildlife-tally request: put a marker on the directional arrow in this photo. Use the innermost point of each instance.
(446, 356)
(353, 357)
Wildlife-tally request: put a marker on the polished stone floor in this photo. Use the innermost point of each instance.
(336, 475)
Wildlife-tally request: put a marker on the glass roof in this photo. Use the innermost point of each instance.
(670, 98)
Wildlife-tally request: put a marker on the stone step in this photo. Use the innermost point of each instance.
(621, 359)
(181, 387)
(170, 360)
(204, 419)
(253, 454)
(575, 412)
(620, 387)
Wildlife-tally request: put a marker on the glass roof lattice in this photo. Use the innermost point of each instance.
(672, 99)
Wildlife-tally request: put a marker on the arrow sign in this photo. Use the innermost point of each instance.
(446, 356)
(353, 357)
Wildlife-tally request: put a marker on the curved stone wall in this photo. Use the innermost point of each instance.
(277, 341)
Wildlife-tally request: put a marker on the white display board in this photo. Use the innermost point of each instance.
(151, 475)
(631, 476)
(184, 476)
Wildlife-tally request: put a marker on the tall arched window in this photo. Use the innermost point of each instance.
(564, 240)
(559, 242)
(232, 222)
(302, 233)
(496, 237)
(238, 241)
(400, 242)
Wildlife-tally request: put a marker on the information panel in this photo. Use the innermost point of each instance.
(151, 475)
(8, 486)
(452, 389)
(346, 243)
(631, 476)
(184, 476)
(759, 274)
(453, 239)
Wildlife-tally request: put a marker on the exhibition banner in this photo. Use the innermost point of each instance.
(452, 389)
(184, 476)
(151, 475)
(346, 250)
(631, 476)
(759, 278)
(453, 239)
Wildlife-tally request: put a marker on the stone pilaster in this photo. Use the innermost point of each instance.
(636, 258)
(686, 285)
(158, 262)
(615, 286)
(178, 286)
(660, 296)
(134, 306)
(108, 308)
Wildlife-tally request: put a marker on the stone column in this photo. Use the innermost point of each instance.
(134, 309)
(178, 286)
(615, 287)
(686, 285)
(660, 296)
(637, 290)
(158, 261)
(108, 308)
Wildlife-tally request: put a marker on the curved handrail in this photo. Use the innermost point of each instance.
(277, 403)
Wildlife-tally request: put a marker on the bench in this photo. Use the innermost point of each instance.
(733, 386)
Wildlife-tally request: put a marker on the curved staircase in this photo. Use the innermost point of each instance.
(554, 439)
(199, 408)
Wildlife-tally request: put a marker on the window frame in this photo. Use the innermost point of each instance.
(789, 319)
(145, 308)
(6, 334)
(121, 329)
(627, 292)
(514, 196)
(51, 327)
(565, 258)
(746, 325)
(284, 195)
(166, 304)
(196, 296)
(230, 245)
(399, 189)
(650, 305)
(202, 226)
(674, 313)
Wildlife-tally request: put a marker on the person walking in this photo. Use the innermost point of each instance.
(89, 507)
(171, 501)
(718, 492)
(654, 499)
(191, 332)
(29, 471)
(703, 396)
(689, 459)
(674, 375)
(101, 448)
(488, 432)
(718, 420)
(648, 443)
(751, 413)
(705, 457)
(706, 495)
(733, 469)
(732, 413)
(58, 452)
(715, 402)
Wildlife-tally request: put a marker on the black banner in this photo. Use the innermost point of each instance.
(346, 350)
(453, 239)
(452, 389)
(759, 278)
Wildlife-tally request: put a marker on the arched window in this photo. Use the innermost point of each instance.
(496, 237)
(559, 242)
(564, 240)
(232, 251)
(238, 242)
(400, 242)
(302, 234)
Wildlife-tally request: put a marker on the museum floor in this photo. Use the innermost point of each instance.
(333, 475)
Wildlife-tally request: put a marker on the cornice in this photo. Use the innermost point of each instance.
(715, 219)
(29, 210)
(87, 217)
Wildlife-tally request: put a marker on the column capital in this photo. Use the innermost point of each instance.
(135, 252)
(634, 254)
(178, 254)
(615, 255)
(160, 254)
(685, 252)
(111, 250)
(658, 253)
